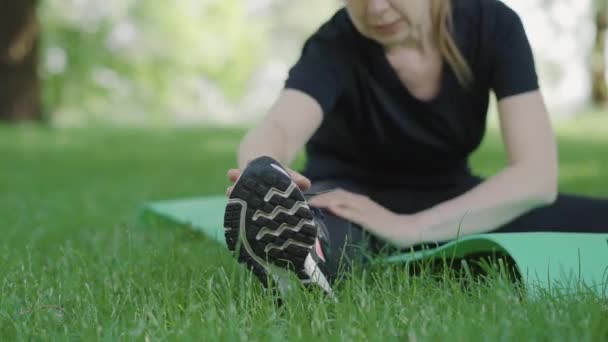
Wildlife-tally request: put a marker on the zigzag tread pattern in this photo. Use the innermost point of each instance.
(280, 219)
(283, 227)
(278, 192)
(278, 210)
(279, 226)
(289, 242)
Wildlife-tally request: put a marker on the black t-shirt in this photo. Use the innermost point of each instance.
(374, 131)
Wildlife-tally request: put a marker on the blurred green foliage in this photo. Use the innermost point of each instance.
(133, 60)
(141, 62)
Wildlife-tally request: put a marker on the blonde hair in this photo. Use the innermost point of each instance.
(441, 18)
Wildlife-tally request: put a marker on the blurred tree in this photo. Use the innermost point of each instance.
(19, 85)
(598, 60)
(138, 61)
(290, 27)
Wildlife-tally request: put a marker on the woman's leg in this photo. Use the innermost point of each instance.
(569, 213)
(343, 242)
(348, 243)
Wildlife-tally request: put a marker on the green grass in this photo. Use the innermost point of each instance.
(74, 265)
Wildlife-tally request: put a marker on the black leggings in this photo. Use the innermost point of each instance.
(349, 242)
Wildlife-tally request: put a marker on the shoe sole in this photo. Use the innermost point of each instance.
(268, 222)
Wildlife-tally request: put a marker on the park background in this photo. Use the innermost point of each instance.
(108, 104)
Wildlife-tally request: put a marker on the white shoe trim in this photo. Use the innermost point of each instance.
(312, 270)
(278, 168)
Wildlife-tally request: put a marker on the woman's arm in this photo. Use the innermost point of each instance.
(291, 121)
(311, 89)
(530, 178)
(281, 134)
(528, 181)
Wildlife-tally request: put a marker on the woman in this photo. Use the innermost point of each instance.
(390, 98)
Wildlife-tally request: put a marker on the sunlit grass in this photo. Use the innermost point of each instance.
(74, 265)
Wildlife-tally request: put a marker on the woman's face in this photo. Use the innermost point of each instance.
(388, 22)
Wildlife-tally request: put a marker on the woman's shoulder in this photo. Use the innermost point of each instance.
(336, 39)
(485, 24)
(486, 12)
(338, 34)
(337, 28)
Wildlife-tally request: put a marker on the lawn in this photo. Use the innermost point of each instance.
(75, 265)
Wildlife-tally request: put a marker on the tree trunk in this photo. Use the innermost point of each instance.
(19, 83)
(598, 64)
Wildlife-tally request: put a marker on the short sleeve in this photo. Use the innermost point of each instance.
(317, 73)
(512, 70)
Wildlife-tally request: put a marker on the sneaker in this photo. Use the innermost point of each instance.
(268, 223)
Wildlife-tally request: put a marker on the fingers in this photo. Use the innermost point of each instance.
(233, 174)
(302, 182)
(341, 207)
(347, 212)
(229, 190)
(336, 198)
(325, 200)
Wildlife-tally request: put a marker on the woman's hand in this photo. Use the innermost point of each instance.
(397, 229)
(302, 182)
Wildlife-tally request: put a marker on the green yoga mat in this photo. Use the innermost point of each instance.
(543, 260)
